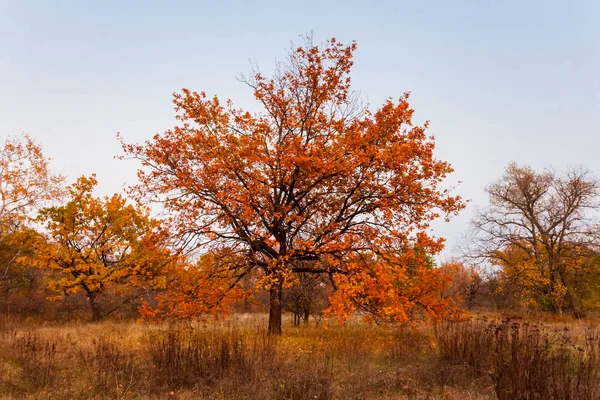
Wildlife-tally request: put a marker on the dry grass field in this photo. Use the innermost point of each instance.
(486, 358)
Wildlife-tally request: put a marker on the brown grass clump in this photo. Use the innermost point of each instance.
(524, 360)
(36, 358)
(109, 369)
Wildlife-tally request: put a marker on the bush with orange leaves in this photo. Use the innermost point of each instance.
(208, 287)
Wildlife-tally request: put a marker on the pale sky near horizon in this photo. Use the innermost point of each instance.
(500, 81)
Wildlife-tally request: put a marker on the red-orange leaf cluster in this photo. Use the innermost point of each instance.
(208, 287)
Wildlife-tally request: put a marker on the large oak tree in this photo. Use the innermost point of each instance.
(315, 183)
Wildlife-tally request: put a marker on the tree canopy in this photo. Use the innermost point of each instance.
(100, 246)
(314, 183)
(537, 227)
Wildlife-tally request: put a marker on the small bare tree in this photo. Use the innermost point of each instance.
(543, 215)
(309, 296)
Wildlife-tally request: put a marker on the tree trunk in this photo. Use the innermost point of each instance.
(554, 309)
(306, 312)
(275, 309)
(296, 319)
(470, 299)
(96, 315)
(555, 306)
(574, 299)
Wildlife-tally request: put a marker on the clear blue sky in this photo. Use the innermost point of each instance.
(500, 81)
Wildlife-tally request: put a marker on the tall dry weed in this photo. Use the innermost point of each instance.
(523, 360)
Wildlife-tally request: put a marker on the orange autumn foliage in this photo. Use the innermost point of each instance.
(464, 283)
(103, 247)
(313, 184)
(26, 182)
(390, 289)
(207, 287)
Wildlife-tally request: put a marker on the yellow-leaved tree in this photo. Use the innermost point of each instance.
(26, 184)
(105, 247)
(537, 228)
